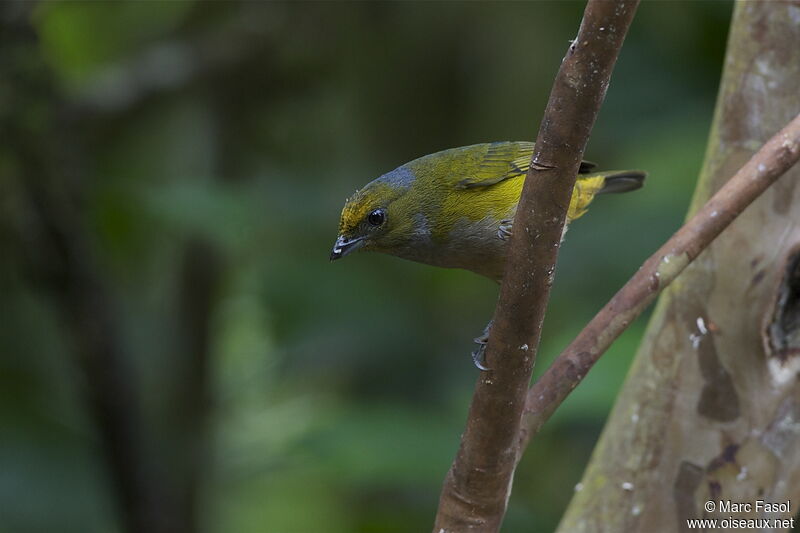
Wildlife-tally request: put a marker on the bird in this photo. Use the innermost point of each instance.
(455, 208)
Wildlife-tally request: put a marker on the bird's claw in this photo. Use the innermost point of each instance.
(504, 231)
(479, 358)
(479, 355)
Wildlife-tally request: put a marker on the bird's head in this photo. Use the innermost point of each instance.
(376, 217)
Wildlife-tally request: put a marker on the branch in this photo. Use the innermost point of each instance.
(776, 157)
(477, 487)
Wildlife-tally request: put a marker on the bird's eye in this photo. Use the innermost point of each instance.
(377, 217)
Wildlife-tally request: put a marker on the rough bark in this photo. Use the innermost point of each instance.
(710, 409)
(771, 162)
(476, 489)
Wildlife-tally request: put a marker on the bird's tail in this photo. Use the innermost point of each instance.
(622, 181)
(587, 186)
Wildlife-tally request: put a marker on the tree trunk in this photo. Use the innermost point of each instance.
(711, 408)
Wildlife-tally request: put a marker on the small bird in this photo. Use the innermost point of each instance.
(455, 208)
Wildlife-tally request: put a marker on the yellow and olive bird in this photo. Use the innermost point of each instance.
(455, 209)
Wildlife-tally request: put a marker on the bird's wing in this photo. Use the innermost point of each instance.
(586, 167)
(502, 161)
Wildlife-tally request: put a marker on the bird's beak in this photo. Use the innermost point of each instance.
(344, 246)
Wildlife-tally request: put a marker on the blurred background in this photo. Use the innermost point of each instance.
(178, 355)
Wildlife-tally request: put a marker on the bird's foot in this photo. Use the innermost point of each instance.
(479, 355)
(504, 231)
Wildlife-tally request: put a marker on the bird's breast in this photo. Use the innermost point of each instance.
(474, 245)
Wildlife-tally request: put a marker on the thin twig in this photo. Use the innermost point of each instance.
(777, 156)
(476, 489)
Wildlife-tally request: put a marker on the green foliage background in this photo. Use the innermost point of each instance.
(338, 391)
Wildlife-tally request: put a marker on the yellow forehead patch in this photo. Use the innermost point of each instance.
(359, 205)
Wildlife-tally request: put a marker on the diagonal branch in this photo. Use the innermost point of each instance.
(776, 157)
(477, 487)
